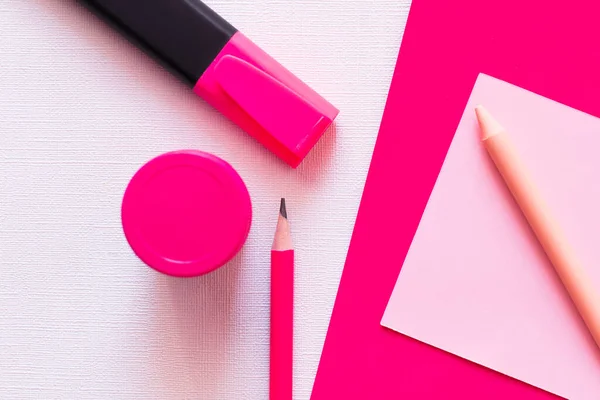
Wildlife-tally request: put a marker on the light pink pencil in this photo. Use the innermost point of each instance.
(542, 223)
(282, 310)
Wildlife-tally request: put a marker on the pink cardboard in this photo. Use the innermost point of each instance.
(265, 99)
(186, 213)
(475, 281)
(545, 48)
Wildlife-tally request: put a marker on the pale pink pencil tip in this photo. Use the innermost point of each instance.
(488, 124)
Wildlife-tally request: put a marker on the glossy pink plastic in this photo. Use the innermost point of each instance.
(186, 213)
(266, 100)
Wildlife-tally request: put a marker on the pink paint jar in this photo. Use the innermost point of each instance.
(186, 213)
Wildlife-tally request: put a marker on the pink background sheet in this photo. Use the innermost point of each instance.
(550, 49)
(475, 281)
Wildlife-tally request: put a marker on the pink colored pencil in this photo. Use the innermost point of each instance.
(282, 310)
(537, 213)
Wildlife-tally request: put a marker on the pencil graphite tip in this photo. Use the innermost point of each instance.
(488, 124)
(282, 209)
(283, 239)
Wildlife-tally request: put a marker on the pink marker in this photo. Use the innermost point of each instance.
(227, 70)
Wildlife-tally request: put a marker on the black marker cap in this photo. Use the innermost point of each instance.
(186, 35)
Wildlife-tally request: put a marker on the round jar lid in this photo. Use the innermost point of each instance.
(186, 213)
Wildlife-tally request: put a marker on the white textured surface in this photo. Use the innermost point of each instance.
(80, 111)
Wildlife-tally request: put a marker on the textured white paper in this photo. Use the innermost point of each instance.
(80, 111)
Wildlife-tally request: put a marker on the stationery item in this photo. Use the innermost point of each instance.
(476, 281)
(534, 208)
(228, 70)
(282, 310)
(186, 213)
(549, 50)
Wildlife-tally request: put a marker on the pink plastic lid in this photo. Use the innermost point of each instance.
(265, 99)
(186, 213)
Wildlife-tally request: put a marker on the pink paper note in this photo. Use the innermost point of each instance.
(475, 281)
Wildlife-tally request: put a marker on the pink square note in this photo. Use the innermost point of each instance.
(475, 281)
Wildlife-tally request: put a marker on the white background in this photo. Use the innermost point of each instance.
(80, 111)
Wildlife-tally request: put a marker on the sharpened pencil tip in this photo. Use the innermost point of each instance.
(283, 239)
(488, 124)
(282, 209)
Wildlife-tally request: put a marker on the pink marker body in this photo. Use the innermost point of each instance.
(227, 70)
